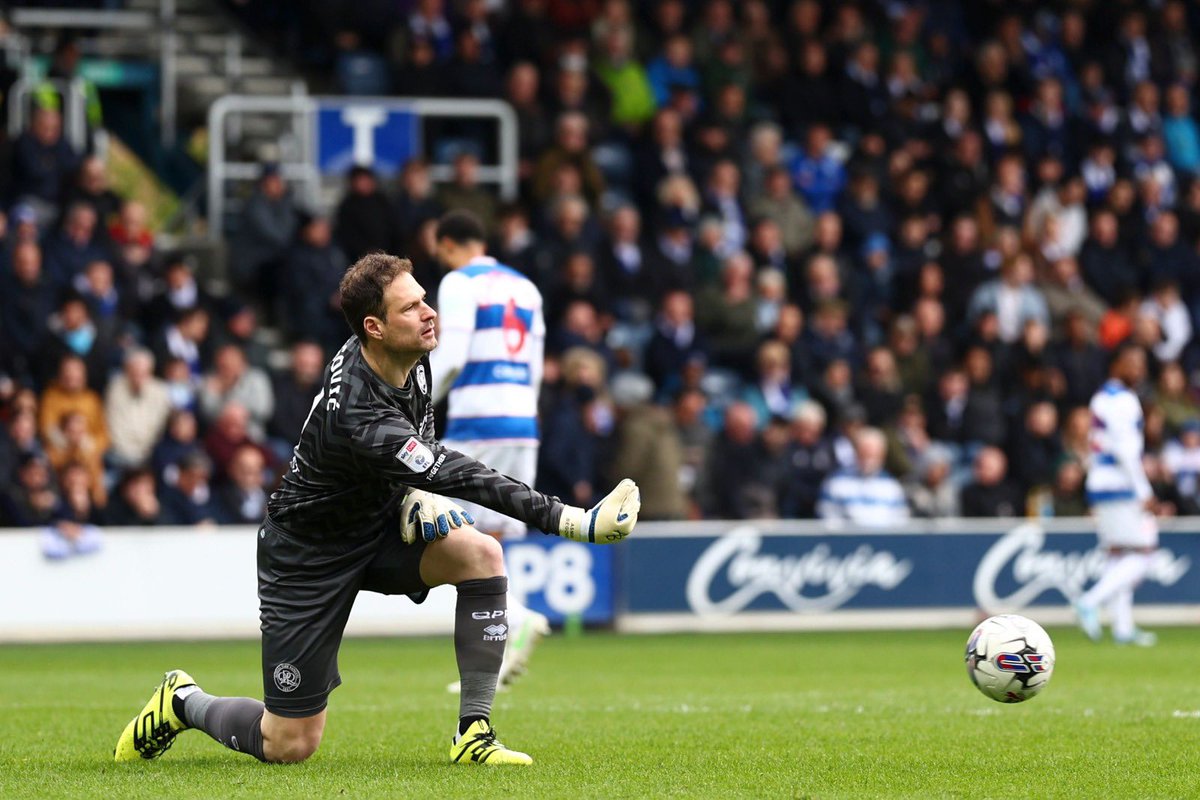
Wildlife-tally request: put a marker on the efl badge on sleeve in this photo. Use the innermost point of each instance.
(415, 455)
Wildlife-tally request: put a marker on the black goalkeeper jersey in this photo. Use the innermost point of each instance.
(365, 443)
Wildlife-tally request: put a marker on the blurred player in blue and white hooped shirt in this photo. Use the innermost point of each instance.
(1121, 499)
(489, 365)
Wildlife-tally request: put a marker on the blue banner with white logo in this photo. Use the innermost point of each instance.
(768, 568)
(377, 133)
(561, 578)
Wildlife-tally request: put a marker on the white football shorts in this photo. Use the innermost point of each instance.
(1125, 523)
(515, 461)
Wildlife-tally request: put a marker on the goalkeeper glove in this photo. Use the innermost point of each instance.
(424, 515)
(610, 520)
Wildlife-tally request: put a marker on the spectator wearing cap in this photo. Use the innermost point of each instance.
(864, 494)
(365, 216)
(136, 408)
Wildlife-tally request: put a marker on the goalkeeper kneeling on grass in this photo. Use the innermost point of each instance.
(368, 462)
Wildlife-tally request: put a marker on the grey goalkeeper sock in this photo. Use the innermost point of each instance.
(480, 631)
(235, 722)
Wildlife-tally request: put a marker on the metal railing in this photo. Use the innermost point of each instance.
(163, 21)
(298, 159)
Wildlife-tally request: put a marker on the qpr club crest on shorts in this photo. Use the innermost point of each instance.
(421, 384)
(287, 677)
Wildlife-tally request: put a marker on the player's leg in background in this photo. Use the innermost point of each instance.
(1134, 567)
(1119, 525)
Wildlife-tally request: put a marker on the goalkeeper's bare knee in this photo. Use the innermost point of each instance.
(466, 554)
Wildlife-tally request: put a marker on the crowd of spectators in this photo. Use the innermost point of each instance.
(861, 261)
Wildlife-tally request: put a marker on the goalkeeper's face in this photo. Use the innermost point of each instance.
(408, 326)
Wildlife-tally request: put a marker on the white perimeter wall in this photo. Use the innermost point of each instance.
(166, 583)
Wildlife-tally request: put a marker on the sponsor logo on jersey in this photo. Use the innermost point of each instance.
(287, 677)
(499, 612)
(514, 328)
(415, 455)
(437, 465)
(421, 384)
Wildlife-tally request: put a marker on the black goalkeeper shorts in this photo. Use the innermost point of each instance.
(306, 589)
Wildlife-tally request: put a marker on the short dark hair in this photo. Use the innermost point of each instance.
(460, 227)
(363, 285)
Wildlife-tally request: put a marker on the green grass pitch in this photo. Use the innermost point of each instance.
(803, 715)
